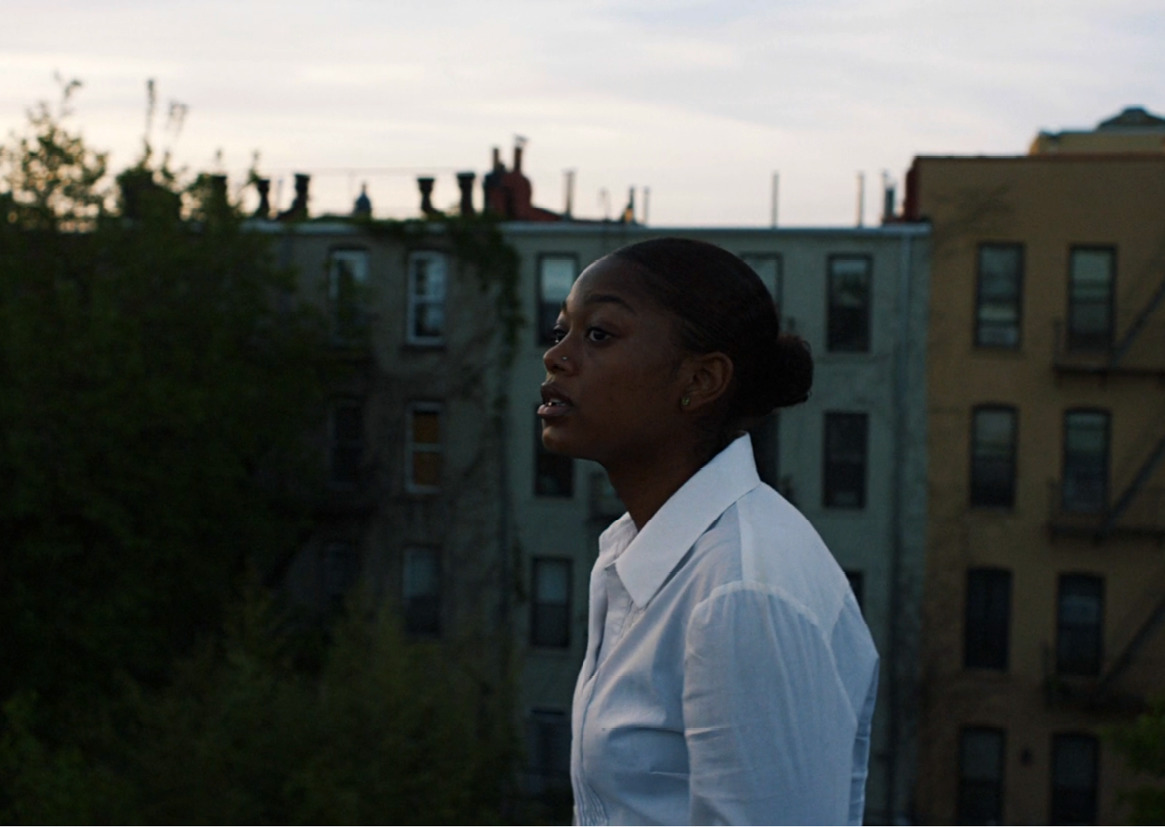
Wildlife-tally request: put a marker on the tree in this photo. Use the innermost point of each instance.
(1142, 743)
(159, 378)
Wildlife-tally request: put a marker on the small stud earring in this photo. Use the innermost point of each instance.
(685, 401)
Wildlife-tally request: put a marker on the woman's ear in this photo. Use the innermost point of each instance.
(710, 375)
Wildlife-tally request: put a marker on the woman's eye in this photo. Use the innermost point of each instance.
(597, 334)
(557, 334)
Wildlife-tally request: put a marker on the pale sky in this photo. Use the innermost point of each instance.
(699, 101)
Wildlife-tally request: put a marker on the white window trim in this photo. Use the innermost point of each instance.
(414, 300)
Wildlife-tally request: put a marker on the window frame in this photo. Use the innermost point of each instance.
(415, 301)
(413, 448)
(547, 310)
(1061, 809)
(557, 467)
(978, 478)
(539, 637)
(423, 621)
(983, 325)
(345, 331)
(833, 467)
(1074, 502)
(1090, 341)
(970, 789)
(835, 341)
(986, 634)
(1071, 657)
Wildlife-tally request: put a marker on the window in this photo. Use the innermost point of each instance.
(1086, 437)
(550, 605)
(341, 565)
(845, 460)
(1079, 624)
(857, 585)
(993, 456)
(998, 295)
(423, 450)
(556, 274)
(768, 267)
(426, 306)
(1075, 770)
(849, 304)
(548, 749)
(553, 473)
(346, 444)
(347, 286)
(422, 591)
(980, 776)
(987, 620)
(1090, 298)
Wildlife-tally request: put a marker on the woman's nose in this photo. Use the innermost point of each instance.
(556, 358)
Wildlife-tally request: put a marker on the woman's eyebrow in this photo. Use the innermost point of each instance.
(607, 298)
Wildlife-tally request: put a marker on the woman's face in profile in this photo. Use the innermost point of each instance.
(613, 384)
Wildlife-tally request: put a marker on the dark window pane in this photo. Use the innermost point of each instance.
(1079, 624)
(556, 275)
(993, 457)
(347, 284)
(845, 460)
(1074, 779)
(1085, 485)
(422, 591)
(849, 304)
(980, 776)
(553, 473)
(997, 314)
(1090, 297)
(987, 619)
(550, 606)
(427, 286)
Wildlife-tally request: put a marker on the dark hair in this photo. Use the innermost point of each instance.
(722, 305)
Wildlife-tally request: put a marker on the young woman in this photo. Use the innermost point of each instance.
(729, 676)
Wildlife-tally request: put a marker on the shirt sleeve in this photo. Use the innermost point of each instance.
(769, 726)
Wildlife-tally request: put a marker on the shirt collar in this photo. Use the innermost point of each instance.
(652, 554)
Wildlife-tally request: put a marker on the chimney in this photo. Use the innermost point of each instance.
(465, 182)
(519, 142)
(887, 199)
(569, 209)
(425, 184)
(298, 209)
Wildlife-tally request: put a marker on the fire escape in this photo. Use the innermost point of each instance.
(1137, 509)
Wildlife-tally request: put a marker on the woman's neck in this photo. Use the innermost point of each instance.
(643, 488)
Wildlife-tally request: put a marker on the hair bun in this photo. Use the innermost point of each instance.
(782, 378)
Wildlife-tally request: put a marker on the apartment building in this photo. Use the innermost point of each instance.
(1045, 583)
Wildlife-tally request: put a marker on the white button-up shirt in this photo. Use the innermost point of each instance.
(729, 675)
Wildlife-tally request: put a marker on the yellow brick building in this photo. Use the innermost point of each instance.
(1045, 589)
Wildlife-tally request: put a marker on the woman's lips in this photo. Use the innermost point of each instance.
(554, 403)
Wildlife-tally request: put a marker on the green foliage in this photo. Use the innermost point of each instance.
(156, 396)
(387, 731)
(1142, 743)
(159, 378)
(52, 179)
